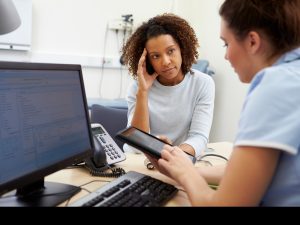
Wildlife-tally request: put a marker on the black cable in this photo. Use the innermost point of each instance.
(68, 201)
(114, 172)
(75, 166)
(100, 172)
(93, 181)
(205, 161)
(84, 189)
(215, 155)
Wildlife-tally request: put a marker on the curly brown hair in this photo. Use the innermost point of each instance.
(163, 24)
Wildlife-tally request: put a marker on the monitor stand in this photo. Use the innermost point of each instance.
(51, 194)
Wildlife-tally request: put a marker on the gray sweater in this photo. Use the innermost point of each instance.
(183, 112)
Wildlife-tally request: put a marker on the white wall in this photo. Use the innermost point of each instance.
(73, 31)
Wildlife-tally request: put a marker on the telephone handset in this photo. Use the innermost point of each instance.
(106, 153)
(149, 67)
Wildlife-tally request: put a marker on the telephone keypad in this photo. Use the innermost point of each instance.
(113, 153)
(110, 150)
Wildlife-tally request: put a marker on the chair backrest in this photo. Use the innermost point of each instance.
(203, 66)
(117, 103)
(112, 119)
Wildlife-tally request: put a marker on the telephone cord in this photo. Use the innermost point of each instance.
(115, 172)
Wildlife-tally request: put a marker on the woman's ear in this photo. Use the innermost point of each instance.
(254, 42)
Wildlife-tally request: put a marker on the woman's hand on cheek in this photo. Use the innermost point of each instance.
(144, 79)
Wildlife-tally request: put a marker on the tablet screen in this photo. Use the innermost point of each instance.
(141, 140)
(144, 141)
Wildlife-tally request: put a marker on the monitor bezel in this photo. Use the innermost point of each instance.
(41, 173)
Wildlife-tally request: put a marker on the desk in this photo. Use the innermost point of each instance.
(135, 162)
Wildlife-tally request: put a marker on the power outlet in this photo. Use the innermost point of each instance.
(111, 62)
(107, 61)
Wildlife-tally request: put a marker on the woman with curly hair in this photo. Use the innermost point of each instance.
(167, 98)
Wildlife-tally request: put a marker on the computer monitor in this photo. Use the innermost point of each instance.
(44, 127)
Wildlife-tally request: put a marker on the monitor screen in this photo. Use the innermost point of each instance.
(44, 127)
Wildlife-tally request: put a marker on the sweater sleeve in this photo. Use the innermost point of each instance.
(131, 100)
(198, 134)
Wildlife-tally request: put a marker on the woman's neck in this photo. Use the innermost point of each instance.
(171, 82)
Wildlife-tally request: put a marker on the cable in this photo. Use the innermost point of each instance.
(215, 155)
(103, 60)
(121, 82)
(127, 31)
(82, 189)
(115, 172)
(99, 172)
(173, 7)
(121, 72)
(93, 181)
(206, 162)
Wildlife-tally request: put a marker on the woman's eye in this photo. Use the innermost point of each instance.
(171, 51)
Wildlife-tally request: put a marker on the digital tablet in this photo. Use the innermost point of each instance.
(145, 142)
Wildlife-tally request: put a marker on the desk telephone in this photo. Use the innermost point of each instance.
(106, 153)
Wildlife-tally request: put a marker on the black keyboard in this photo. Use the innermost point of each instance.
(130, 190)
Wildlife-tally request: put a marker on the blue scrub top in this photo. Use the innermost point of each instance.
(271, 118)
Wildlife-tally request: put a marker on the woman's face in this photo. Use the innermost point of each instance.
(237, 54)
(165, 57)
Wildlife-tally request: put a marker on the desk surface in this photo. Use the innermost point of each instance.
(135, 162)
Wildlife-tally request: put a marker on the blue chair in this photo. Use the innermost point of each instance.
(117, 103)
(203, 66)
